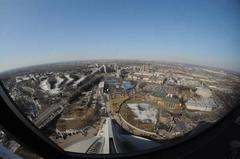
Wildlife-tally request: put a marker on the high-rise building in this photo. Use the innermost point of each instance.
(145, 68)
(118, 73)
(115, 66)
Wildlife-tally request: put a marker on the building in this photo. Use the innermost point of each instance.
(127, 86)
(101, 87)
(203, 92)
(203, 104)
(145, 68)
(165, 101)
(146, 77)
(115, 66)
(118, 74)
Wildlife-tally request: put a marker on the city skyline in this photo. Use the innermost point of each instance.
(203, 33)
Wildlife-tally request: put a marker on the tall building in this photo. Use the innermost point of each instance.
(145, 68)
(115, 66)
(118, 74)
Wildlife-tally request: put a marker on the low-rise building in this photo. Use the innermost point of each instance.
(203, 104)
(204, 92)
(165, 101)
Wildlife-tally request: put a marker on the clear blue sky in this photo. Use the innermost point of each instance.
(194, 31)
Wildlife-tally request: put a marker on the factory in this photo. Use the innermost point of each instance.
(205, 103)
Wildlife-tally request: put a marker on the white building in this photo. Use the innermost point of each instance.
(204, 104)
(118, 73)
(204, 92)
(101, 86)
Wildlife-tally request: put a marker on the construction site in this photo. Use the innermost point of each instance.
(152, 112)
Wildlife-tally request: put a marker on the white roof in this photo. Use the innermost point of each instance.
(101, 84)
(204, 92)
(204, 102)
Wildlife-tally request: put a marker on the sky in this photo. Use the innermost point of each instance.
(204, 32)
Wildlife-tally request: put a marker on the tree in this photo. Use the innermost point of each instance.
(165, 80)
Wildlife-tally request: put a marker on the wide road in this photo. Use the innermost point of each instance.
(48, 115)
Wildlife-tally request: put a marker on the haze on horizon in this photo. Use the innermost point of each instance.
(196, 32)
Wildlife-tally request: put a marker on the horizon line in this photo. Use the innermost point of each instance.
(112, 60)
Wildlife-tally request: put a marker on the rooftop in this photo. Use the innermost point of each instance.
(127, 85)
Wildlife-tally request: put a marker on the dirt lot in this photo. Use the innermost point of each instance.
(116, 102)
(75, 116)
(129, 116)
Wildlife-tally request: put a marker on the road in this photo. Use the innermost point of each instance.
(48, 115)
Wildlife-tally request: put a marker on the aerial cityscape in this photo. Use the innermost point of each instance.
(102, 106)
(118, 77)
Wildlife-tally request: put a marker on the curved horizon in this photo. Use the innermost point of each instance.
(116, 60)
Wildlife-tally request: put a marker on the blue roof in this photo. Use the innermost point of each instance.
(127, 85)
(112, 81)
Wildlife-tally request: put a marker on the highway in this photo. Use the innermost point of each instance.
(48, 115)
